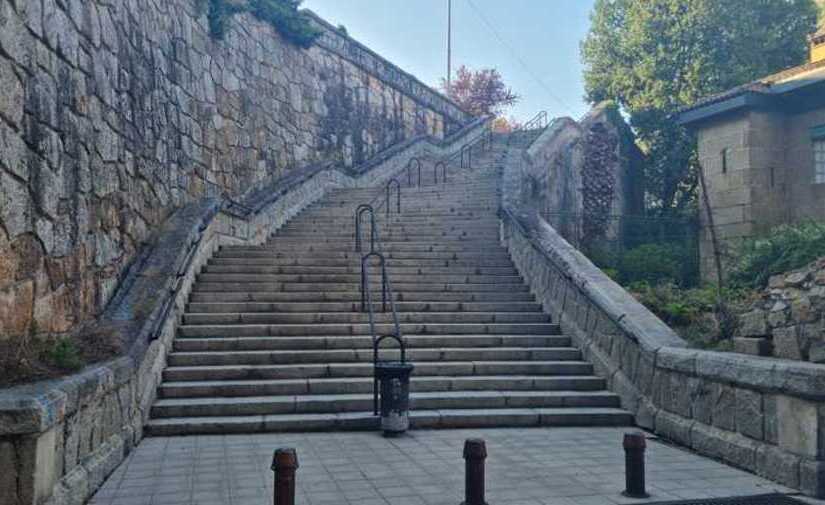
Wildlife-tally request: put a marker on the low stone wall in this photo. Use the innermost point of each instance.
(60, 439)
(762, 414)
(788, 321)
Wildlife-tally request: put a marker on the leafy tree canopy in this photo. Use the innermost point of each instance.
(480, 91)
(655, 56)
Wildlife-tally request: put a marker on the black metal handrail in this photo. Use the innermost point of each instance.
(538, 121)
(485, 138)
(443, 166)
(387, 293)
(417, 162)
(376, 251)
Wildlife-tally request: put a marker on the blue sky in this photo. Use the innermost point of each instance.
(538, 53)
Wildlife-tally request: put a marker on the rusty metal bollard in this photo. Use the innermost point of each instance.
(475, 452)
(634, 460)
(284, 464)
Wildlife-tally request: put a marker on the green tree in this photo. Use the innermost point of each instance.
(655, 56)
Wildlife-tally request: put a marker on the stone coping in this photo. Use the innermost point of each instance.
(794, 378)
(362, 56)
(36, 407)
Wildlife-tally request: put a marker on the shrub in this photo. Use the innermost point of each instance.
(785, 248)
(66, 355)
(653, 263)
(283, 15)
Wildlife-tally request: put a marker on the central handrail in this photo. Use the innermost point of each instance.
(376, 250)
(387, 293)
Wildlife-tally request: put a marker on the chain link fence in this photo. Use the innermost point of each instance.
(635, 248)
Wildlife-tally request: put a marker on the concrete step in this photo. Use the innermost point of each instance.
(391, 235)
(318, 403)
(300, 246)
(355, 296)
(397, 279)
(342, 370)
(355, 269)
(337, 385)
(398, 287)
(295, 330)
(313, 318)
(493, 255)
(365, 342)
(447, 418)
(354, 262)
(355, 306)
(365, 355)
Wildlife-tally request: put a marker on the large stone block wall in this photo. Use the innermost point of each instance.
(114, 114)
(60, 439)
(765, 415)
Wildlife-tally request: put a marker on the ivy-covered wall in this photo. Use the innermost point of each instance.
(114, 114)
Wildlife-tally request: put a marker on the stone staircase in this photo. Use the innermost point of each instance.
(273, 338)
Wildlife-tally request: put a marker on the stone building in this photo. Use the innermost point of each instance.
(762, 151)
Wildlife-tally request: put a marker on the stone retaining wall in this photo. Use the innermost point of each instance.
(789, 319)
(115, 114)
(761, 414)
(765, 415)
(60, 439)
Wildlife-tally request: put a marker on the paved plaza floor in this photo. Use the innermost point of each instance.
(556, 466)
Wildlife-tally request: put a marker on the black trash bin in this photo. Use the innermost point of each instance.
(393, 378)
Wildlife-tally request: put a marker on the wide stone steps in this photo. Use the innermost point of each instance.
(365, 355)
(316, 287)
(315, 318)
(325, 254)
(425, 277)
(346, 296)
(421, 419)
(320, 403)
(351, 385)
(294, 330)
(473, 245)
(340, 370)
(354, 262)
(355, 269)
(273, 337)
(326, 307)
(365, 342)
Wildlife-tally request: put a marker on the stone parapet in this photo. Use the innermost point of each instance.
(60, 439)
(762, 414)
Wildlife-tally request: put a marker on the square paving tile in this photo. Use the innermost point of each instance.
(536, 466)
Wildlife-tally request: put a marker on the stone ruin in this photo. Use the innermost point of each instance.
(580, 175)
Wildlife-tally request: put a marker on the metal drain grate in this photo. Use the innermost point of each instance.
(760, 499)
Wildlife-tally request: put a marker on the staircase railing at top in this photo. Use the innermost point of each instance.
(538, 122)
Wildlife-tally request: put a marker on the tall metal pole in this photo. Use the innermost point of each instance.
(449, 41)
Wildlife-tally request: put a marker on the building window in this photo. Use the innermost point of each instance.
(819, 161)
